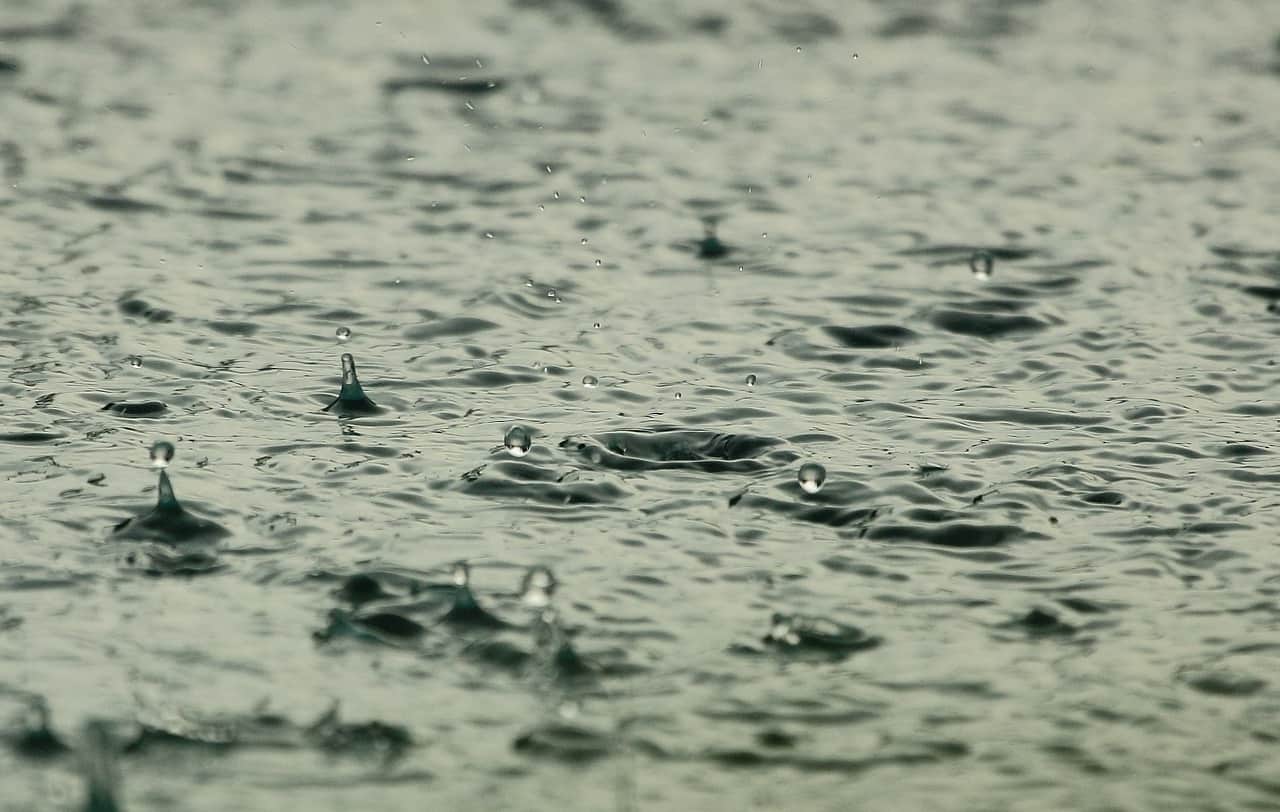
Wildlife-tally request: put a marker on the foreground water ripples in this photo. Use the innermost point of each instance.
(816, 430)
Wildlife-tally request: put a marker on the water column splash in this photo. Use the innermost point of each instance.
(552, 642)
(466, 610)
(710, 246)
(169, 522)
(101, 774)
(351, 399)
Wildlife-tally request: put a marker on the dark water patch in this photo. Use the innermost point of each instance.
(9, 64)
(65, 27)
(613, 15)
(32, 736)
(565, 490)
(804, 26)
(1221, 682)
(1109, 498)
(984, 325)
(878, 336)
(142, 408)
(448, 328)
(373, 739)
(1028, 417)
(119, 204)
(962, 253)
(388, 628)
(234, 328)
(1239, 450)
(800, 635)
(134, 307)
(30, 437)
(929, 753)
(1041, 623)
(570, 744)
(960, 535)
(463, 86)
(829, 515)
(673, 448)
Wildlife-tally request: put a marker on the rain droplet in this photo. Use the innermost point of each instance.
(518, 441)
(343, 333)
(799, 49)
(161, 454)
(678, 395)
(556, 195)
(551, 293)
(584, 240)
(425, 61)
(135, 361)
(582, 199)
(764, 235)
(596, 325)
(537, 587)
(461, 574)
(598, 263)
(548, 169)
(811, 477)
(981, 263)
(1199, 142)
(751, 380)
(590, 381)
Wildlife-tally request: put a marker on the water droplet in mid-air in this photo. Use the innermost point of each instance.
(584, 240)
(161, 453)
(518, 441)
(343, 333)
(981, 264)
(678, 395)
(537, 587)
(596, 325)
(598, 263)
(461, 574)
(135, 361)
(590, 381)
(751, 380)
(551, 293)
(811, 477)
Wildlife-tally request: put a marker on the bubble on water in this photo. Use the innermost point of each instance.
(161, 453)
(537, 587)
(751, 380)
(343, 333)
(518, 441)
(541, 207)
(590, 381)
(811, 477)
(461, 574)
(135, 361)
(981, 264)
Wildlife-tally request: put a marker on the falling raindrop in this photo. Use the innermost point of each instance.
(590, 381)
(811, 477)
(343, 333)
(981, 264)
(551, 293)
(425, 61)
(161, 453)
(584, 240)
(518, 441)
(598, 263)
(751, 380)
(135, 361)
(596, 325)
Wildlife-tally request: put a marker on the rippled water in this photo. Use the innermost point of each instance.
(689, 248)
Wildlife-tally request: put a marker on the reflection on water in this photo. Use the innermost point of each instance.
(890, 388)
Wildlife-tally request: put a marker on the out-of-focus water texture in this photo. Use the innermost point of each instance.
(1041, 571)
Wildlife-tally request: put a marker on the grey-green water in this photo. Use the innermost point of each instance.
(1050, 506)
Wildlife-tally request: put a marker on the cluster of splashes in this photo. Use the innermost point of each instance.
(405, 614)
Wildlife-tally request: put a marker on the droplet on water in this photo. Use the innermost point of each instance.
(596, 325)
(135, 361)
(161, 453)
(343, 333)
(751, 380)
(584, 240)
(518, 441)
(461, 574)
(981, 264)
(678, 395)
(551, 293)
(590, 381)
(537, 587)
(598, 263)
(811, 477)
